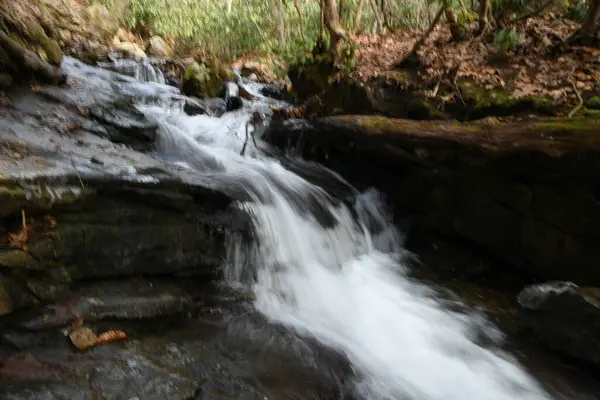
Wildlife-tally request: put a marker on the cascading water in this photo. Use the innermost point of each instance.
(332, 269)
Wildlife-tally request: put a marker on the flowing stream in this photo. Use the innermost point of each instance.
(331, 267)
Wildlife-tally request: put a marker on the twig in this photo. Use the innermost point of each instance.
(579, 98)
(24, 221)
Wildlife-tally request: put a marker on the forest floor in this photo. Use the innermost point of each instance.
(542, 65)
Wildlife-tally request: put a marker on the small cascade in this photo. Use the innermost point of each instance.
(146, 72)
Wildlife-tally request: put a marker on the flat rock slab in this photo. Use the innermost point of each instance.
(128, 299)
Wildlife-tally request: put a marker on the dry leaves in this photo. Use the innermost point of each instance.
(535, 69)
(20, 238)
(84, 338)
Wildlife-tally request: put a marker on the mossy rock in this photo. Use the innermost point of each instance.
(593, 103)
(311, 76)
(476, 101)
(203, 82)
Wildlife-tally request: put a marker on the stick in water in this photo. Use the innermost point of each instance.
(255, 120)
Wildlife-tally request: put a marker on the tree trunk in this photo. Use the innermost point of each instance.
(590, 25)
(384, 14)
(412, 58)
(375, 9)
(281, 22)
(300, 21)
(587, 35)
(484, 22)
(359, 14)
(332, 22)
(341, 12)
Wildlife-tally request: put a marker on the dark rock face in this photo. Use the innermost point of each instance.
(563, 316)
(523, 195)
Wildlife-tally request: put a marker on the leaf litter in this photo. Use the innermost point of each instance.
(542, 65)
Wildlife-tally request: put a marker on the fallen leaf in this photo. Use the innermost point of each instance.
(111, 336)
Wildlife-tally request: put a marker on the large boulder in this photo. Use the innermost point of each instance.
(564, 317)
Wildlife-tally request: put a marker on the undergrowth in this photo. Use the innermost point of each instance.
(251, 26)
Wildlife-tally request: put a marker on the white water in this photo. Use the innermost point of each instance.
(345, 285)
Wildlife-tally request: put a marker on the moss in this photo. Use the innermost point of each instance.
(53, 52)
(593, 102)
(201, 81)
(569, 125)
(18, 259)
(375, 122)
(487, 102)
(424, 109)
(591, 113)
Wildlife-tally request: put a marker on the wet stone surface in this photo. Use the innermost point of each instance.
(217, 349)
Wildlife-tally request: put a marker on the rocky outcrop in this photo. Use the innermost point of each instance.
(522, 194)
(564, 317)
(92, 208)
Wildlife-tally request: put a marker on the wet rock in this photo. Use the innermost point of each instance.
(13, 296)
(563, 316)
(131, 126)
(130, 299)
(158, 47)
(19, 259)
(233, 100)
(194, 107)
(122, 376)
(273, 91)
(136, 378)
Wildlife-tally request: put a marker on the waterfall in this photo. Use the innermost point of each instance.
(333, 269)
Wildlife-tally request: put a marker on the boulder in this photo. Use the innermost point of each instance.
(564, 317)
(129, 49)
(202, 82)
(158, 47)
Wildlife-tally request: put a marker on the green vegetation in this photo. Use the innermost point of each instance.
(229, 29)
